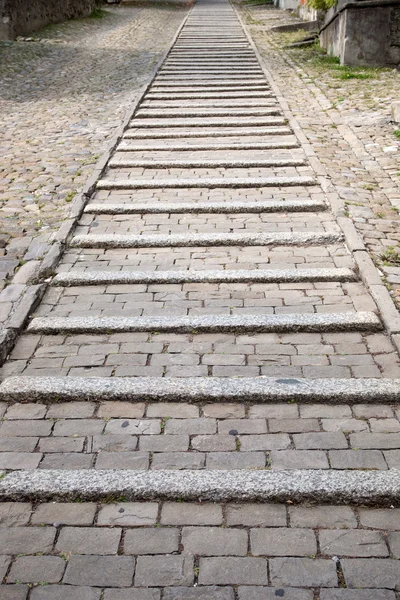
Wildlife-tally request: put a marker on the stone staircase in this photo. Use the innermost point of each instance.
(208, 376)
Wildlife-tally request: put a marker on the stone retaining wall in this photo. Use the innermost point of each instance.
(21, 17)
(364, 33)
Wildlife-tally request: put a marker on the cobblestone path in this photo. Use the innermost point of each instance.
(204, 406)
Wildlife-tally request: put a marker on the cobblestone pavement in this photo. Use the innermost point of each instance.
(345, 114)
(204, 405)
(63, 94)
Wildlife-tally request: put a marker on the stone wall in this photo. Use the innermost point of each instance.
(364, 33)
(21, 17)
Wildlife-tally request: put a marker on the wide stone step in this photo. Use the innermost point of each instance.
(307, 322)
(127, 147)
(150, 113)
(201, 389)
(255, 131)
(207, 122)
(209, 239)
(76, 278)
(380, 488)
(183, 94)
(205, 207)
(215, 182)
(119, 163)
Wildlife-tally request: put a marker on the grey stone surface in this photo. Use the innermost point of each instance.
(34, 569)
(271, 593)
(204, 239)
(100, 571)
(346, 594)
(352, 543)
(303, 572)
(325, 322)
(168, 570)
(199, 593)
(88, 540)
(282, 542)
(379, 488)
(211, 132)
(64, 513)
(15, 592)
(233, 571)
(72, 278)
(214, 541)
(216, 182)
(65, 592)
(304, 205)
(179, 147)
(121, 163)
(26, 540)
(371, 572)
(151, 541)
(256, 389)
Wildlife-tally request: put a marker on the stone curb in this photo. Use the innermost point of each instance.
(206, 207)
(33, 293)
(200, 239)
(263, 390)
(313, 486)
(127, 147)
(120, 163)
(130, 135)
(307, 322)
(214, 182)
(74, 278)
(368, 271)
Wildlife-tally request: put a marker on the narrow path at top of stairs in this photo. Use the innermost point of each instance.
(211, 352)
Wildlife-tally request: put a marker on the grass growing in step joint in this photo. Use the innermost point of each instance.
(391, 257)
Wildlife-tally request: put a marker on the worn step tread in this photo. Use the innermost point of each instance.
(133, 135)
(77, 278)
(378, 488)
(206, 207)
(326, 322)
(150, 113)
(200, 389)
(127, 147)
(119, 163)
(206, 122)
(205, 239)
(203, 182)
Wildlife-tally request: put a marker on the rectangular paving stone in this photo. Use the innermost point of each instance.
(256, 515)
(26, 428)
(357, 459)
(18, 444)
(340, 517)
(78, 427)
(233, 571)
(213, 443)
(394, 543)
(298, 459)
(371, 572)
(380, 518)
(26, 540)
(214, 541)
(271, 593)
(171, 570)
(100, 571)
(178, 460)
(319, 441)
(19, 460)
(64, 513)
(381, 441)
(190, 426)
(282, 542)
(199, 593)
(14, 592)
(114, 443)
(358, 543)
(274, 441)
(133, 426)
(293, 425)
(71, 410)
(14, 514)
(131, 594)
(151, 541)
(127, 410)
(240, 426)
(67, 461)
(34, 569)
(185, 513)
(343, 594)
(123, 460)
(173, 410)
(303, 572)
(235, 460)
(65, 592)
(88, 540)
(164, 443)
(128, 513)
(4, 564)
